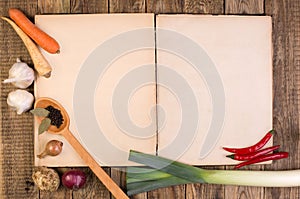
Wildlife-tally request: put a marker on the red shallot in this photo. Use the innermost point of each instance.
(73, 179)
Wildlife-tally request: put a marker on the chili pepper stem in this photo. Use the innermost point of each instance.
(230, 156)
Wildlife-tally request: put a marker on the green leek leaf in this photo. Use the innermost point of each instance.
(174, 168)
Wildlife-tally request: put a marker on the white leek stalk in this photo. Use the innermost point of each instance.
(287, 178)
(167, 172)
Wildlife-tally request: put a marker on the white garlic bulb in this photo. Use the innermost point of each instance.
(20, 100)
(20, 75)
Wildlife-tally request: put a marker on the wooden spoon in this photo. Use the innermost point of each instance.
(88, 159)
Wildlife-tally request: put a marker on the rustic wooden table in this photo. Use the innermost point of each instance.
(16, 131)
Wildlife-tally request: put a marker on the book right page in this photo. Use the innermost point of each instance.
(214, 85)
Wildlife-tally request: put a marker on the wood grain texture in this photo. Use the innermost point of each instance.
(16, 133)
(119, 176)
(165, 6)
(268, 7)
(89, 7)
(170, 192)
(127, 6)
(53, 6)
(244, 6)
(203, 7)
(286, 86)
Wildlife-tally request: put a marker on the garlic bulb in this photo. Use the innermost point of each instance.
(20, 75)
(20, 100)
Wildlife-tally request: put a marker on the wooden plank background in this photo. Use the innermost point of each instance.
(16, 133)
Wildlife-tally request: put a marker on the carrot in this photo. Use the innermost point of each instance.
(41, 38)
(41, 65)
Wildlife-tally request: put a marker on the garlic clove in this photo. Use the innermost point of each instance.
(20, 75)
(20, 100)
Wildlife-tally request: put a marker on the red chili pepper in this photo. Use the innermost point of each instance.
(252, 148)
(263, 158)
(252, 155)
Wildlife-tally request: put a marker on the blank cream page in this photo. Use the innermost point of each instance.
(214, 85)
(104, 76)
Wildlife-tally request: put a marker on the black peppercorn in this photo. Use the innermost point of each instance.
(55, 116)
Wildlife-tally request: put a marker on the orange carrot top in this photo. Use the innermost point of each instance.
(41, 38)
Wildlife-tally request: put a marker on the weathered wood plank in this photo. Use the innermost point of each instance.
(286, 87)
(244, 6)
(268, 7)
(119, 176)
(203, 7)
(53, 6)
(139, 196)
(16, 133)
(244, 192)
(177, 192)
(84, 6)
(204, 191)
(127, 6)
(164, 6)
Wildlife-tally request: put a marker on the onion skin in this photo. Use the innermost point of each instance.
(74, 179)
(52, 148)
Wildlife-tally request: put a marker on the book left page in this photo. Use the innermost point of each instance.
(104, 77)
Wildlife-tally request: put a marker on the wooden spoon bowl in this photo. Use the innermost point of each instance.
(43, 103)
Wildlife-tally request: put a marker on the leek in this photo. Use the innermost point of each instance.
(165, 172)
(140, 180)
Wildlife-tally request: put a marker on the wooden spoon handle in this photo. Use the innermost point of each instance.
(94, 166)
